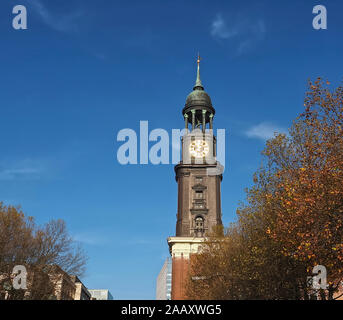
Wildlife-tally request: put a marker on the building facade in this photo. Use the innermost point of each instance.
(100, 294)
(199, 177)
(53, 283)
(81, 292)
(164, 281)
(67, 287)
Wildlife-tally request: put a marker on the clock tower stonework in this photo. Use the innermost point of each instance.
(199, 177)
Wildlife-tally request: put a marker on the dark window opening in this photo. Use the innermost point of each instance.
(199, 227)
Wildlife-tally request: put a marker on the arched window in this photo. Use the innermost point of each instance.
(199, 227)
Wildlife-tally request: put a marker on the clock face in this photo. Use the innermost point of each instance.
(198, 148)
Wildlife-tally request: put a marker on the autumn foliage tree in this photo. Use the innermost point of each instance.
(40, 249)
(293, 217)
(309, 195)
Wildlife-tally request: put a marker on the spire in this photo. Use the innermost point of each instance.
(198, 84)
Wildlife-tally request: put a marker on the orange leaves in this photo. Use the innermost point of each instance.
(307, 180)
(294, 211)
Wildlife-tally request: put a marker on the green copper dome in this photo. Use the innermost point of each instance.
(198, 98)
(198, 109)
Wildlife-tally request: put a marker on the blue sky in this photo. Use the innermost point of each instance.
(83, 70)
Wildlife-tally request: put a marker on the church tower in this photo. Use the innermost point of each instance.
(199, 177)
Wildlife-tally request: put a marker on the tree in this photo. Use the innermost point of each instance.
(245, 262)
(39, 248)
(293, 216)
(309, 198)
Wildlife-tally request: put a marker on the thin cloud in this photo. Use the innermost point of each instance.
(258, 30)
(264, 131)
(220, 29)
(62, 22)
(90, 238)
(243, 33)
(48, 167)
(20, 173)
(26, 169)
(101, 237)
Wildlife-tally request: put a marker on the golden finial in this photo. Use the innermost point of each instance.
(199, 58)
